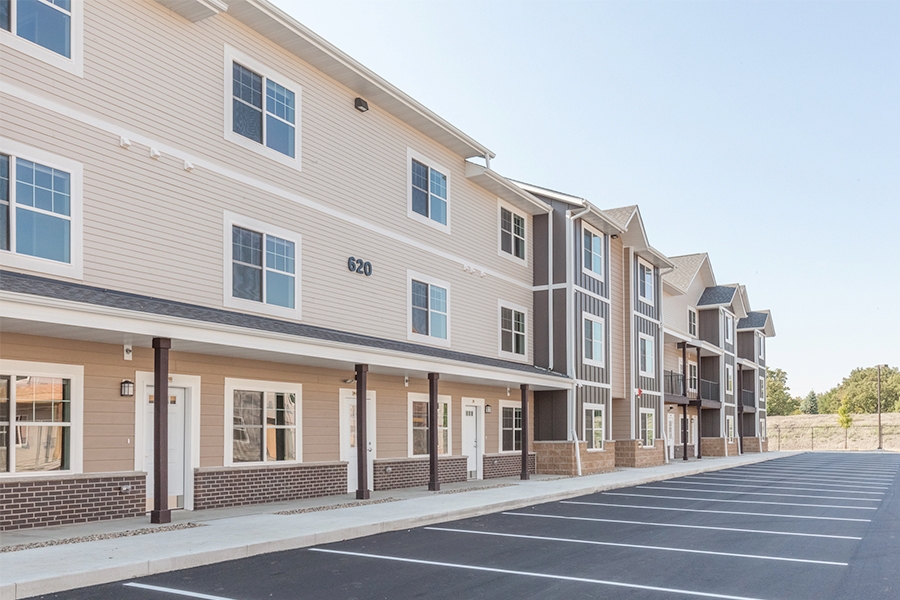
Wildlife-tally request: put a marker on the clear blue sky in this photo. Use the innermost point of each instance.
(764, 133)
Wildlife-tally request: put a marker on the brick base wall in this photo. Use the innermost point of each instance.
(764, 445)
(679, 451)
(630, 453)
(507, 465)
(751, 444)
(558, 458)
(218, 487)
(712, 446)
(63, 500)
(733, 447)
(394, 473)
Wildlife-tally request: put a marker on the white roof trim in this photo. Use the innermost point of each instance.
(506, 189)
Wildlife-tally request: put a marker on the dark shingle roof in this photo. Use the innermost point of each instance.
(74, 292)
(720, 294)
(754, 320)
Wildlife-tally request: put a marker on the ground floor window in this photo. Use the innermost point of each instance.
(729, 428)
(419, 424)
(510, 427)
(593, 426)
(264, 421)
(647, 427)
(762, 429)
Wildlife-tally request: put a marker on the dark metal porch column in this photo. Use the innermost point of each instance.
(525, 475)
(161, 512)
(362, 445)
(684, 430)
(699, 439)
(434, 483)
(684, 391)
(740, 408)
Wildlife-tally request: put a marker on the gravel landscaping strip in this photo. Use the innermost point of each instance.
(300, 511)
(99, 536)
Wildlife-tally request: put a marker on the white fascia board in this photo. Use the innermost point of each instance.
(273, 23)
(195, 10)
(668, 331)
(505, 189)
(26, 307)
(534, 189)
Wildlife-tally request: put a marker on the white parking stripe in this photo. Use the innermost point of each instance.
(156, 588)
(639, 546)
(740, 501)
(816, 473)
(830, 469)
(620, 584)
(811, 477)
(620, 521)
(771, 487)
(761, 478)
(681, 489)
(720, 512)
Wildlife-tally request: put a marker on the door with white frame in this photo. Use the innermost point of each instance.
(473, 436)
(176, 401)
(694, 439)
(670, 434)
(348, 437)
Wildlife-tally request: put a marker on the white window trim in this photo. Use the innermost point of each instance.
(413, 155)
(602, 409)
(501, 204)
(232, 219)
(233, 55)
(419, 397)
(729, 428)
(652, 413)
(696, 331)
(505, 404)
(261, 386)
(762, 389)
(688, 382)
(762, 346)
(729, 379)
(594, 362)
(418, 337)
(501, 304)
(651, 356)
(729, 329)
(75, 268)
(73, 65)
(642, 298)
(762, 428)
(75, 375)
(586, 227)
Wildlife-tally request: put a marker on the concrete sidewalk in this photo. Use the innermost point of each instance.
(211, 536)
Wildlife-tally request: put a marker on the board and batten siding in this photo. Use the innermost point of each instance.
(151, 227)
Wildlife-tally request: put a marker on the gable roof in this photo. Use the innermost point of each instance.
(758, 319)
(686, 268)
(621, 216)
(718, 295)
(628, 219)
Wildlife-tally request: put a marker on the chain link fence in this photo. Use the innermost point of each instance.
(834, 437)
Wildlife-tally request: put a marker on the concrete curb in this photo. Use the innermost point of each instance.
(53, 584)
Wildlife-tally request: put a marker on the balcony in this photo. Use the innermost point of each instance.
(674, 386)
(709, 390)
(748, 401)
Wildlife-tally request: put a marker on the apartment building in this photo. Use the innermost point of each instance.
(213, 205)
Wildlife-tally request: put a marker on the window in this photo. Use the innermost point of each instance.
(592, 244)
(646, 356)
(762, 428)
(645, 282)
(429, 192)
(40, 417)
(692, 322)
(418, 422)
(512, 331)
(262, 270)
(512, 233)
(262, 109)
(647, 423)
(593, 426)
(510, 426)
(729, 329)
(593, 340)
(429, 302)
(265, 419)
(762, 346)
(729, 428)
(40, 211)
(693, 376)
(729, 379)
(49, 30)
(762, 388)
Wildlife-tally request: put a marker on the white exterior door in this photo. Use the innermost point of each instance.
(176, 445)
(348, 436)
(670, 434)
(695, 440)
(473, 436)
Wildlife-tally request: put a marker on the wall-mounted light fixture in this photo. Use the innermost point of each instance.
(349, 381)
(507, 391)
(487, 409)
(126, 388)
(615, 236)
(361, 105)
(406, 382)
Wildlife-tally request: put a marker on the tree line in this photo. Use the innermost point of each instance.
(856, 394)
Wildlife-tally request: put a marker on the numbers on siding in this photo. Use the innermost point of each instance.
(358, 265)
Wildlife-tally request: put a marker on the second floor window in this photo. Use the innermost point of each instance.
(429, 192)
(645, 354)
(429, 309)
(693, 376)
(47, 23)
(729, 379)
(512, 233)
(512, 331)
(593, 252)
(262, 267)
(692, 322)
(263, 110)
(645, 282)
(593, 340)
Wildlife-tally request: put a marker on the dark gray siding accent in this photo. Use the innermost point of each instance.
(560, 316)
(592, 395)
(582, 279)
(550, 415)
(749, 424)
(652, 329)
(710, 425)
(593, 306)
(709, 325)
(541, 332)
(540, 243)
(746, 347)
(709, 369)
(560, 274)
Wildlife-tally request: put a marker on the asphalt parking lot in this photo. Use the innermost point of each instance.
(812, 526)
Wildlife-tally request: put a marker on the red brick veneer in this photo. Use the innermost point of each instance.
(507, 465)
(394, 473)
(218, 487)
(27, 502)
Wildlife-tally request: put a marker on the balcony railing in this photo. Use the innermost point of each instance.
(748, 397)
(709, 390)
(674, 385)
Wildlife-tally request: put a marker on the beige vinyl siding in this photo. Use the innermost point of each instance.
(618, 311)
(670, 359)
(153, 228)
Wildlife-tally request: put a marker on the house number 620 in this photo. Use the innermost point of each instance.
(358, 265)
